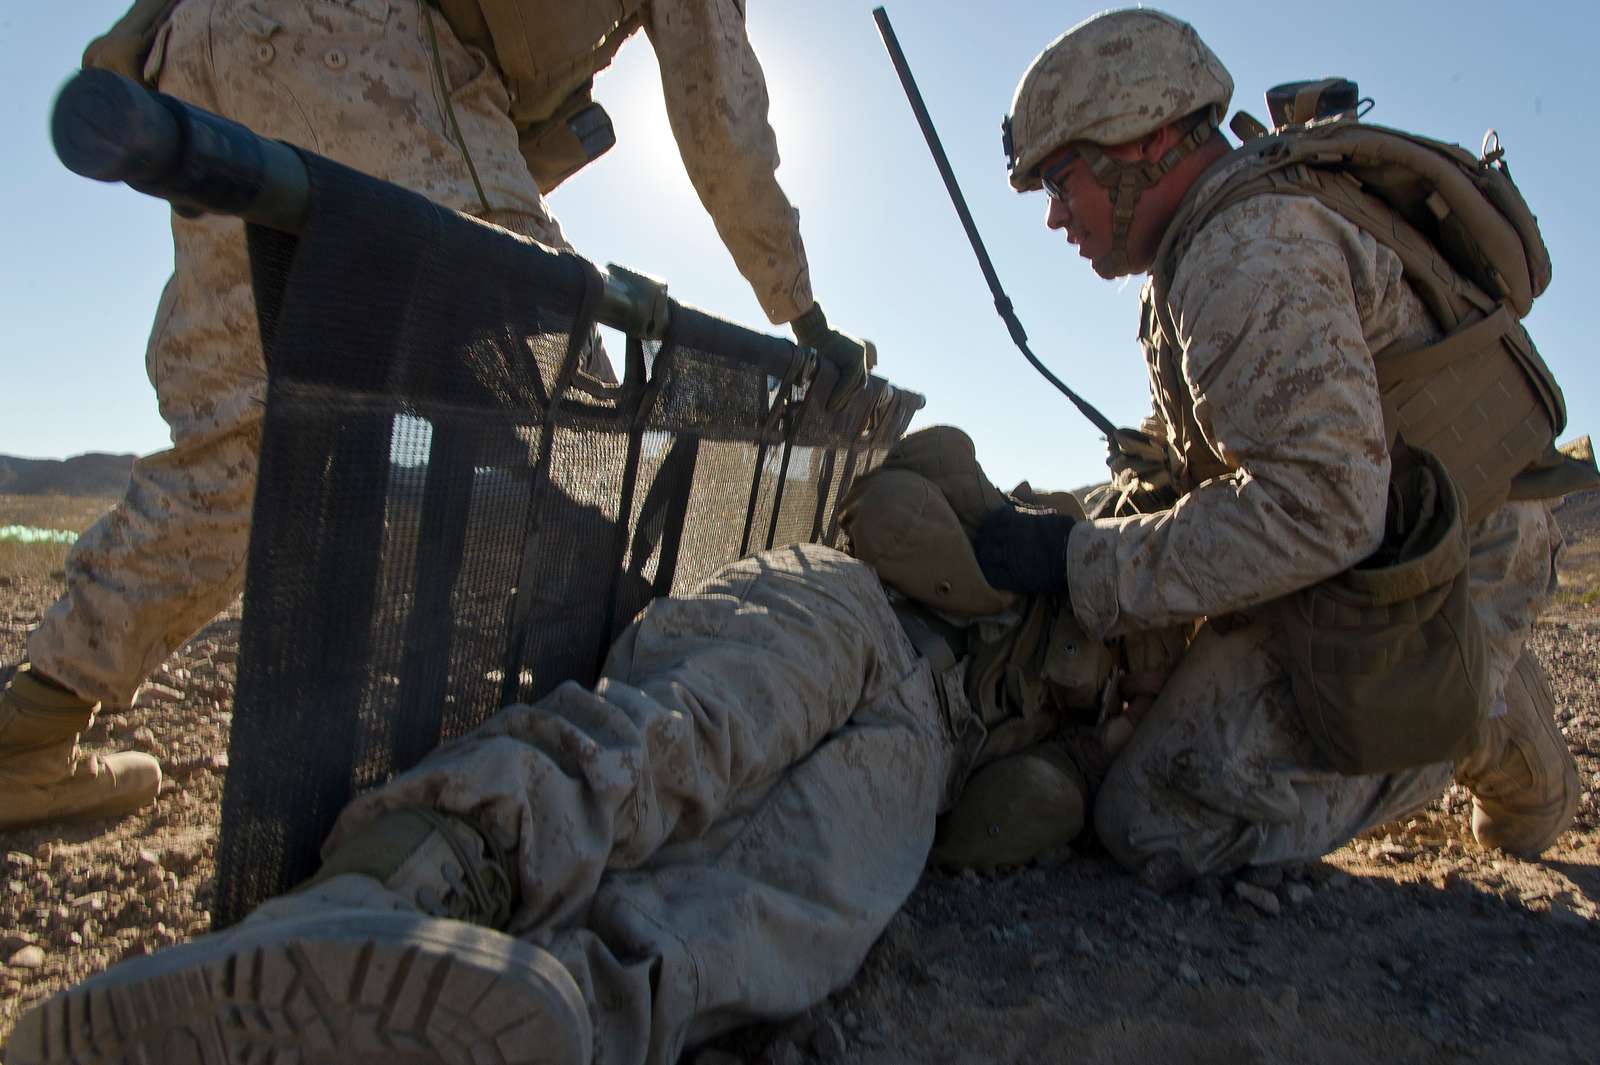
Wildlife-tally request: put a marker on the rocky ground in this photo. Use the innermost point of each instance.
(1410, 944)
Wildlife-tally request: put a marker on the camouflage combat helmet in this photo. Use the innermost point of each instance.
(1110, 80)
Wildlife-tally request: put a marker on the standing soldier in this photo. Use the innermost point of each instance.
(481, 105)
(1280, 336)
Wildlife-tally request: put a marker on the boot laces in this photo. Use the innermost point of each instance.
(478, 886)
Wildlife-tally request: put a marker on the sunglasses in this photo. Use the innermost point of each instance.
(1053, 177)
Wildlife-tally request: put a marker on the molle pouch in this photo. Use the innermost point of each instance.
(1387, 659)
(576, 135)
(904, 527)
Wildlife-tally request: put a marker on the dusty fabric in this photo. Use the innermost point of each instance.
(1268, 400)
(1222, 773)
(354, 82)
(721, 828)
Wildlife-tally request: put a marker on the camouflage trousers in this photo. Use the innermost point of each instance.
(717, 832)
(352, 81)
(1221, 773)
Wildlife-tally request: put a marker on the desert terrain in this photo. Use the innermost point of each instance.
(1410, 944)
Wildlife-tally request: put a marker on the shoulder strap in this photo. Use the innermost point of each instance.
(1460, 226)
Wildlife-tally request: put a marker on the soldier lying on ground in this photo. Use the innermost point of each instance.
(476, 104)
(714, 834)
(1316, 687)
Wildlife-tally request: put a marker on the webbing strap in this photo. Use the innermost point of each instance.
(1426, 361)
(935, 639)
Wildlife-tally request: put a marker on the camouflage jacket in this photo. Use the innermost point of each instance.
(1269, 402)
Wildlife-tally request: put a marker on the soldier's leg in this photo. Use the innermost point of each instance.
(775, 907)
(1221, 774)
(704, 703)
(358, 83)
(170, 554)
(773, 739)
(1524, 781)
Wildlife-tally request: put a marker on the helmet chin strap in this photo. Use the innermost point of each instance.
(1128, 181)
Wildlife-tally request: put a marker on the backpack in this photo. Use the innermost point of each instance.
(1480, 398)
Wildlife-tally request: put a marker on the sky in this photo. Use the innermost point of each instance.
(82, 264)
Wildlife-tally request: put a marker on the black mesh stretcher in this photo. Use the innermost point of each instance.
(450, 515)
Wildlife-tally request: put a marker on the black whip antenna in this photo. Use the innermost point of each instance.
(1002, 302)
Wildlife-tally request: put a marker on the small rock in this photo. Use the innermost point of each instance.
(218, 761)
(1394, 964)
(144, 737)
(1188, 973)
(1044, 960)
(148, 861)
(1337, 880)
(157, 694)
(1238, 970)
(225, 656)
(19, 860)
(94, 900)
(11, 942)
(1298, 894)
(29, 957)
(828, 1041)
(1260, 898)
(1081, 943)
(1267, 877)
(1567, 918)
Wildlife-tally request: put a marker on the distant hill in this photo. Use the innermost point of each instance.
(94, 474)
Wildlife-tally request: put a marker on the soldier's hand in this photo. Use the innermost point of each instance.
(852, 358)
(1024, 550)
(1140, 454)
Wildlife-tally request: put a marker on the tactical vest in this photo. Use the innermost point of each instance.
(547, 49)
(1480, 398)
(549, 52)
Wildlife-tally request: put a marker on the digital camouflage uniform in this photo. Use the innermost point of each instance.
(355, 81)
(720, 829)
(1275, 431)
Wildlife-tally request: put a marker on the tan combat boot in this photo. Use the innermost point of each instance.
(43, 774)
(1524, 780)
(388, 956)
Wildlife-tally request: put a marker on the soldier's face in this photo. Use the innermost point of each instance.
(1079, 206)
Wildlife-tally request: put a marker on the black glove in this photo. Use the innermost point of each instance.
(1024, 550)
(852, 358)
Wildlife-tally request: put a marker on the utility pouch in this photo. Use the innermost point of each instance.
(576, 135)
(1387, 659)
(1481, 399)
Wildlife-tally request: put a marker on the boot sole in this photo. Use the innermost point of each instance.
(345, 987)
